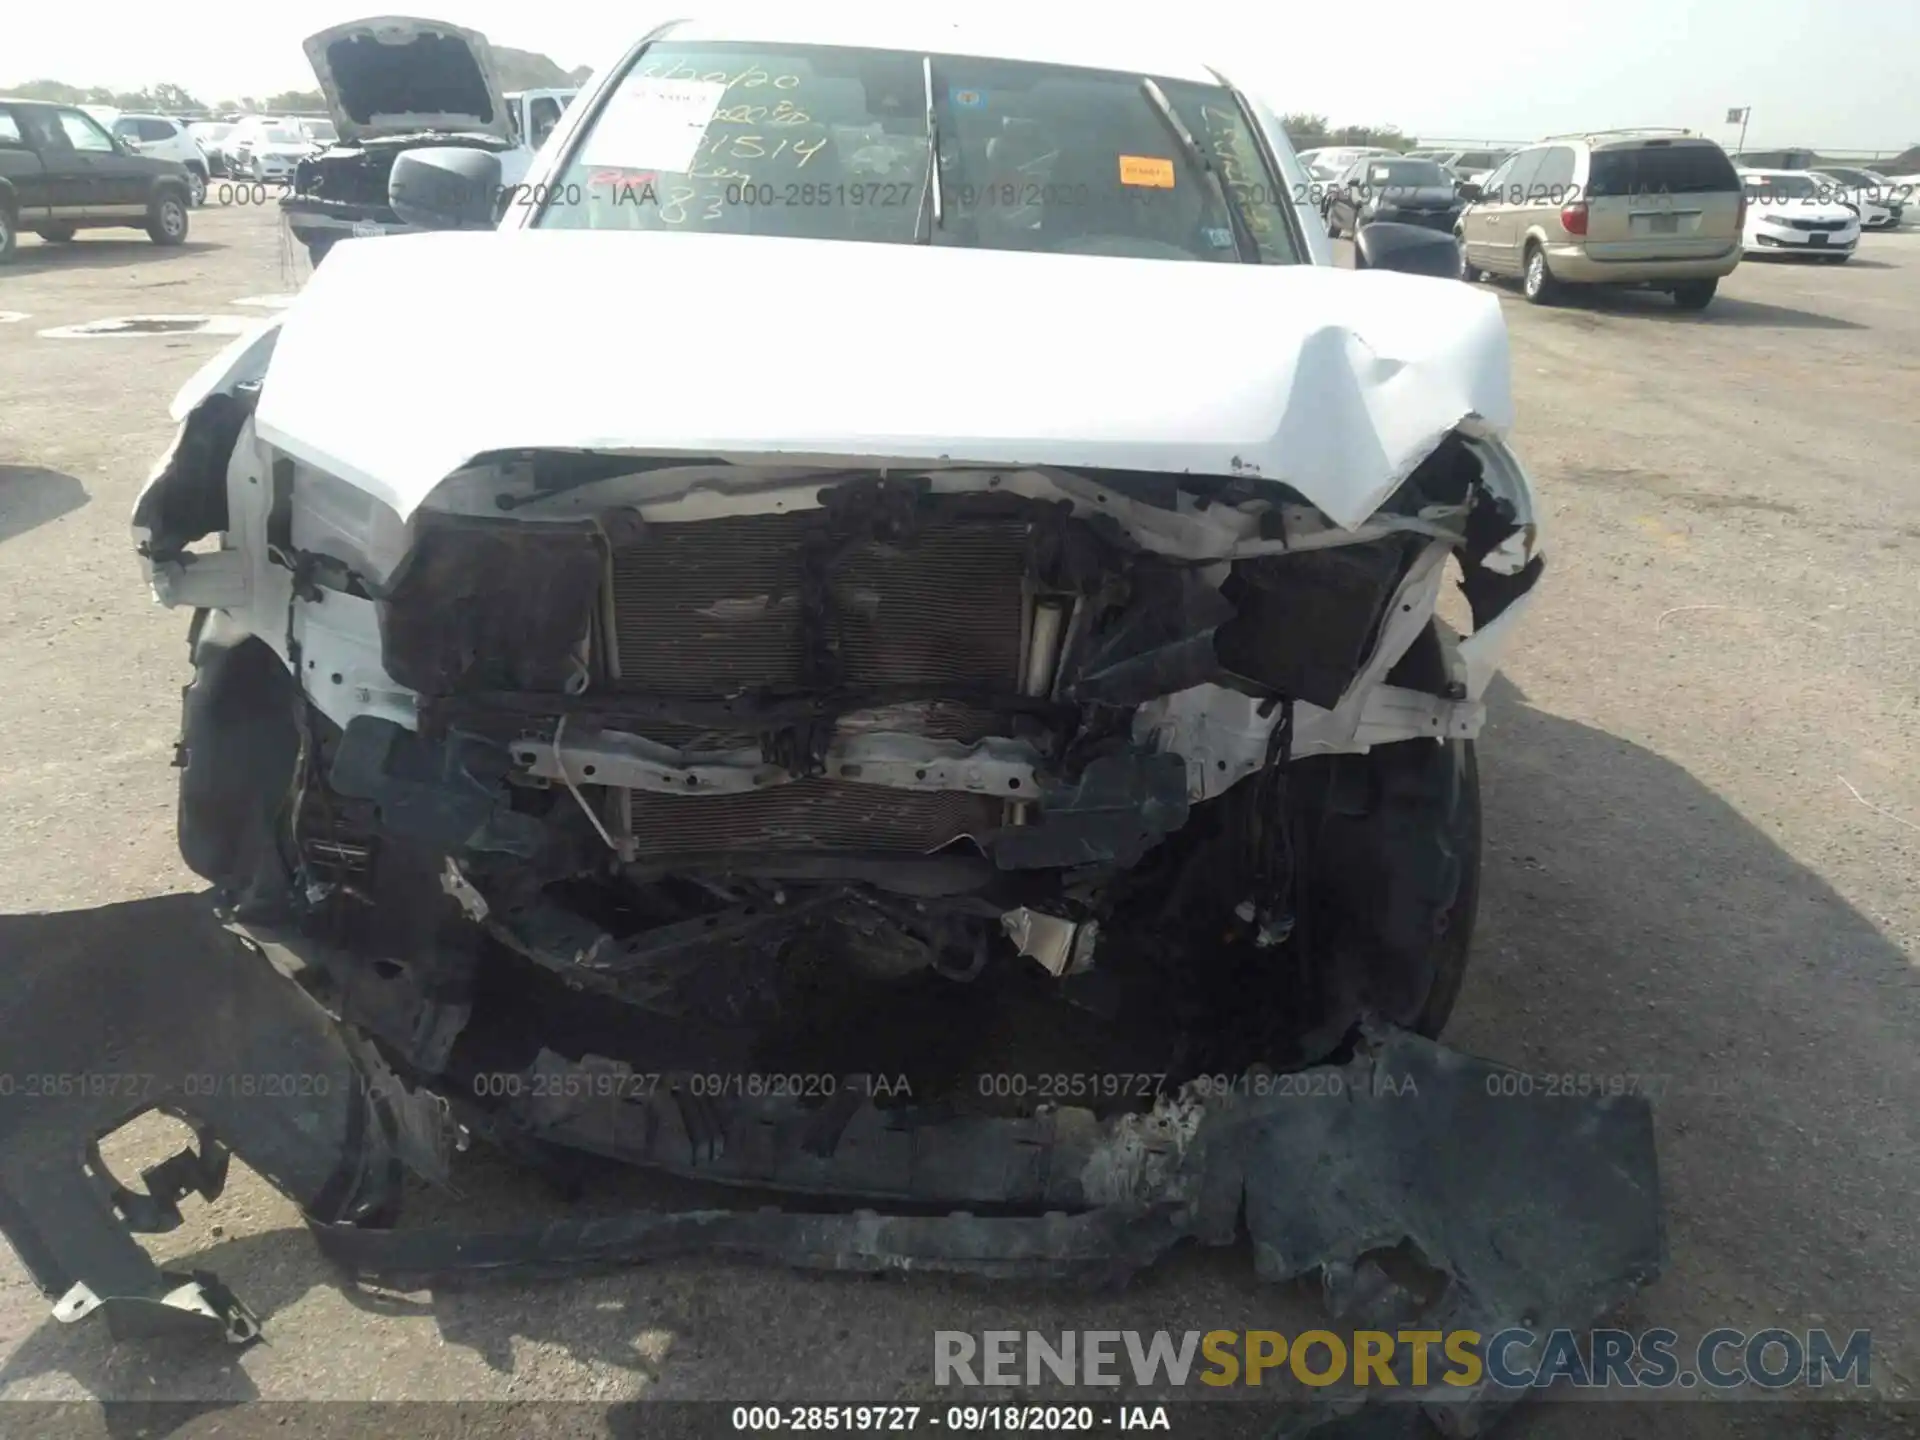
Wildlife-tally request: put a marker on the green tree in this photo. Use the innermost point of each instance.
(1385, 137)
(1310, 132)
(54, 90)
(1304, 131)
(175, 97)
(288, 100)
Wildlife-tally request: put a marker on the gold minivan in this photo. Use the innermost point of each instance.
(1656, 209)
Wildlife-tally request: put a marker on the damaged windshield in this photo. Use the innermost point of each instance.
(832, 143)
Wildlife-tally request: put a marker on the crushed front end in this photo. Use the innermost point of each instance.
(885, 827)
(933, 773)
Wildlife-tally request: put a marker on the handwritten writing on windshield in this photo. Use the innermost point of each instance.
(751, 136)
(1227, 138)
(751, 78)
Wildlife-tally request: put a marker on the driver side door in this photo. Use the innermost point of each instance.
(1507, 211)
(115, 182)
(1477, 226)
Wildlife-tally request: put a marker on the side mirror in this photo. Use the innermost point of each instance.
(1410, 249)
(1469, 189)
(445, 187)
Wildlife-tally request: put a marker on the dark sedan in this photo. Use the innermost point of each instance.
(1407, 192)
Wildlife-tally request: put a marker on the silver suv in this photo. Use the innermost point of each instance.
(1658, 209)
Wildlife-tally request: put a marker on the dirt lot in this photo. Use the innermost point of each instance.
(1703, 819)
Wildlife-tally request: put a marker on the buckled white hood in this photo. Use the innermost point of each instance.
(399, 75)
(1334, 382)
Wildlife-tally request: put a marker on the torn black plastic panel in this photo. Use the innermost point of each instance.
(1299, 626)
(1117, 808)
(1491, 523)
(493, 604)
(238, 748)
(1542, 1210)
(1304, 625)
(1160, 642)
(150, 1005)
(189, 500)
(450, 793)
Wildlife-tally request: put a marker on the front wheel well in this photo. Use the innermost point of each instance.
(239, 746)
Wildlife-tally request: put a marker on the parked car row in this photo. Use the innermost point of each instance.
(1879, 201)
(267, 148)
(1643, 208)
(1470, 166)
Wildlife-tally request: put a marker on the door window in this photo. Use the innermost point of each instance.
(84, 133)
(543, 115)
(10, 130)
(1520, 173)
(1554, 179)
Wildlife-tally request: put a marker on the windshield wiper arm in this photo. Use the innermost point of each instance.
(930, 197)
(1244, 244)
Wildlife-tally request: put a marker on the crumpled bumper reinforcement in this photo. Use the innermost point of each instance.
(1523, 1208)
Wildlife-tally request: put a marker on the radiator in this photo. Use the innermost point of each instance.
(707, 609)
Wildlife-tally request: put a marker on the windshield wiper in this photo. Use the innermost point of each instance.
(930, 197)
(1244, 244)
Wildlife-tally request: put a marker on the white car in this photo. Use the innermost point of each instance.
(1469, 166)
(1873, 197)
(1793, 212)
(266, 149)
(1333, 160)
(163, 138)
(209, 135)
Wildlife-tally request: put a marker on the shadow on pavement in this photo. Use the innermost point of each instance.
(31, 496)
(1632, 923)
(1725, 311)
(85, 253)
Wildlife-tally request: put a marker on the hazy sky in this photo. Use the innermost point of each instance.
(1843, 76)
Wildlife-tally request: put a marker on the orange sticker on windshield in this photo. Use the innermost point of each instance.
(1145, 170)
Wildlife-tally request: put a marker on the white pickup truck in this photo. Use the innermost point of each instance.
(392, 84)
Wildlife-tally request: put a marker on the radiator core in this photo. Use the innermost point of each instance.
(711, 608)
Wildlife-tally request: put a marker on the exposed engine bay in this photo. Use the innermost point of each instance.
(391, 84)
(675, 765)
